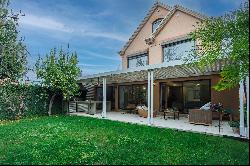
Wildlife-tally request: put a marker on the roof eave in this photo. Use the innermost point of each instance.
(168, 17)
(141, 25)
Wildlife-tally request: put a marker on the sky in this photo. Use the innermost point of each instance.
(95, 29)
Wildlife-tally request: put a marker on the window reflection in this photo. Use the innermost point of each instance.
(137, 61)
(178, 50)
(132, 95)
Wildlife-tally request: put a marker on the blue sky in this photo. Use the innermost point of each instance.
(95, 29)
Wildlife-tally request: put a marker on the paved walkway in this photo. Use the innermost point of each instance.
(159, 121)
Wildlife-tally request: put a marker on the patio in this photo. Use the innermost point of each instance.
(182, 124)
(154, 76)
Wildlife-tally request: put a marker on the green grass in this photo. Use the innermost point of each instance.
(81, 140)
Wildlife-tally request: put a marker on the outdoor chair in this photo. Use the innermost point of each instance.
(173, 112)
(143, 112)
(227, 113)
(130, 108)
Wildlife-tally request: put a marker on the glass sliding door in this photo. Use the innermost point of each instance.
(171, 95)
(196, 93)
(132, 94)
(125, 96)
(110, 96)
(164, 91)
(186, 95)
(175, 97)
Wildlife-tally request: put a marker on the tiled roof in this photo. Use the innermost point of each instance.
(151, 11)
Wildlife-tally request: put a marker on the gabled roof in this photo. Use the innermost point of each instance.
(169, 16)
(145, 20)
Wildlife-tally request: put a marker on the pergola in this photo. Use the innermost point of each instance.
(159, 72)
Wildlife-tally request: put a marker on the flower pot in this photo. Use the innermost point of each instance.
(236, 130)
(143, 113)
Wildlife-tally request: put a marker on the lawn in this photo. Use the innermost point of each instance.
(81, 140)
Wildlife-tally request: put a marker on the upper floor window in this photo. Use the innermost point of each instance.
(138, 60)
(178, 50)
(155, 24)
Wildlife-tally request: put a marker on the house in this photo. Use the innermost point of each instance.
(153, 70)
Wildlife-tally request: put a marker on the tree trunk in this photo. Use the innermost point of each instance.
(62, 106)
(51, 103)
(65, 106)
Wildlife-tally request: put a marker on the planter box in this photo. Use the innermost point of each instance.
(236, 130)
(198, 116)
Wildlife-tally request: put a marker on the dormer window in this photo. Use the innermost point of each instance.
(155, 24)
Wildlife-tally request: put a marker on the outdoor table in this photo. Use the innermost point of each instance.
(172, 111)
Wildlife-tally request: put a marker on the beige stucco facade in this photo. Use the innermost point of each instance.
(176, 25)
(179, 25)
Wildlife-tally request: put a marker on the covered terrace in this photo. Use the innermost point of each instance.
(152, 73)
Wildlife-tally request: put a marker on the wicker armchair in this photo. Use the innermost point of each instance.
(144, 113)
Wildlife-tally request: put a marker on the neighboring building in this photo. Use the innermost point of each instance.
(159, 45)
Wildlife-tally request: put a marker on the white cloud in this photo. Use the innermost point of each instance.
(101, 56)
(108, 35)
(83, 29)
(45, 23)
(94, 65)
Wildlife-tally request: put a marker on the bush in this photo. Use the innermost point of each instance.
(17, 101)
(235, 124)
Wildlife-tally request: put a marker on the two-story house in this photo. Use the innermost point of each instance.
(153, 73)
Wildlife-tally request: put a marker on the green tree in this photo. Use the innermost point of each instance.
(59, 73)
(12, 49)
(221, 38)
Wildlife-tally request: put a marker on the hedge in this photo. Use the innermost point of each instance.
(17, 101)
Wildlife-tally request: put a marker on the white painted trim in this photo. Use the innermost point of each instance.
(149, 96)
(241, 97)
(247, 107)
(152, 97)
(104, 103)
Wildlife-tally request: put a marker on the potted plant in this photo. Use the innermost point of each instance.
(217, 108)
(142, 111)
(235, 126)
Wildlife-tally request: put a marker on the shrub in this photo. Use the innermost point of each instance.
(235, 124)
(18, 101)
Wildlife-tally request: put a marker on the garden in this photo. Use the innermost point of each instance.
(81, 140)
(35, 127)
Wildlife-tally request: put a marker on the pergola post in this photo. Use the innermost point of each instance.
(248, 107)
(104, 102)
(152, 97)
(149, 96)
(241, 96)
